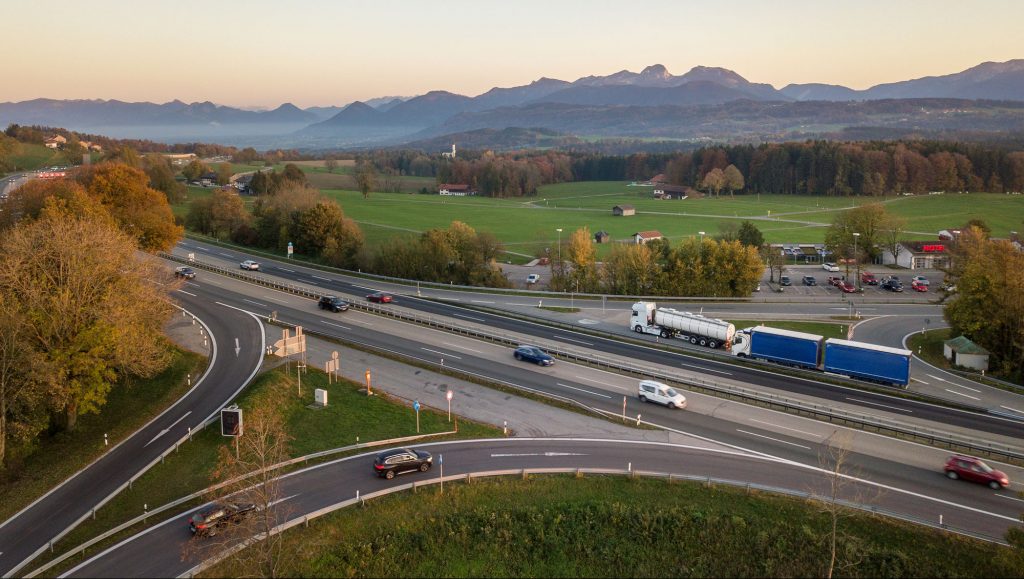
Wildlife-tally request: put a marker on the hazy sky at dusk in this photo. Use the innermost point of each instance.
(263, 53)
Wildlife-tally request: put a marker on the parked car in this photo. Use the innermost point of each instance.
(948, 287)
(829, 266)
(400, 461)
(973, 469)
(892, 285)
(380, 298)
(533, 354)
(846, 287)
(185, 272)
(533, 278)
(333, 303)
(207, 522)
(784, 280)
(809, 280)
(918, 286)
(919, 279)
(651, 391)
(835, 280)
(250, 265)
(866, 277)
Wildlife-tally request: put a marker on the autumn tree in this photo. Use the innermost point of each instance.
(774, 259)
(581, 255)
(631, 270)
(330, 164)
(324, 230)
(277, 215)
(194, 170)
(714, 181)
(24, 392)
(224, 173)
(78, 281)
(365, 176)
(138, 209)
(732, 179)
(868, 221)
(161, 177)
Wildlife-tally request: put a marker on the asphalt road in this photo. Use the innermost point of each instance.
(159, 551)
(356, 291)
(30, 530)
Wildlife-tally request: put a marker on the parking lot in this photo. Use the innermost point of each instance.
(797, 272)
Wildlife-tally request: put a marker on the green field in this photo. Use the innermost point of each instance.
(32, 157)
(826, 329)
(562, 526)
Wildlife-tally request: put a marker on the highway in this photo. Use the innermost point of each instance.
(158, 551)
(357, 289)
(29, 531)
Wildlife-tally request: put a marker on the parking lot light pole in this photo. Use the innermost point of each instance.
(559, 230)
(856, 260)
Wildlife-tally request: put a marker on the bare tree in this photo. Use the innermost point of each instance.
(892, 235)
(330, 164)
(775, 260)
(833, 460)
(256, 550)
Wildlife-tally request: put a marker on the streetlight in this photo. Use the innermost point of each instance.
(855, 260)
(701, 245)
(559, 230)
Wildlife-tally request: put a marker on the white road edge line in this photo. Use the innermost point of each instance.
(335, 325)
(582, 390)
(1012, 409)
(962, 394)
(773, 439)
(256, 303)
(469, 317)
(882, 405)
(461, 347)
(188, 293)
(441, 353)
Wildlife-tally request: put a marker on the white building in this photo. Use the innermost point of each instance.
(919, 255)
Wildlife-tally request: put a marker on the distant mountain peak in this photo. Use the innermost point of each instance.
(656, 71)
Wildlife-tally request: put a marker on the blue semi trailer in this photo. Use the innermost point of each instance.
(854, 359)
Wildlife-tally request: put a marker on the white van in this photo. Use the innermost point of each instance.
(662, 394)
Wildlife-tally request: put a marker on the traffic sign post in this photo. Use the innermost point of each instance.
(369, 392)
(416, 407)
(291, 249)
(449, 395)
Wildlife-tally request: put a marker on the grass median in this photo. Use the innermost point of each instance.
(563, 526)
(349, 416)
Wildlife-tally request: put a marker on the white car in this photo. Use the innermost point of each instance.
(250, 265)
(651, 391)
(829, 267)
(533, 278)
(920, 280)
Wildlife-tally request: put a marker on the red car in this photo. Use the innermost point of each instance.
(379, 297)
(847, 287)
(918, 287)
(974, 470)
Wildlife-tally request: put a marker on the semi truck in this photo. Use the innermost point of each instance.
(845, 357)
(648, 318)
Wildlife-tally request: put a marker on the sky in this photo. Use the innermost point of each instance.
(261, 53)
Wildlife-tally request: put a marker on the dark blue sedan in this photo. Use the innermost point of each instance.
(534, 354)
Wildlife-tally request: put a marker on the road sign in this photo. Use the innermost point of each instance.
(416, 405)
(288, 344)
(231, 421)
(449, 394)
(291, 249)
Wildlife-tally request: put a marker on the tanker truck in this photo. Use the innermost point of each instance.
(648, 318)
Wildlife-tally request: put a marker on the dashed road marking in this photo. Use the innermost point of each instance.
(582, 390)
(882, 405)
(775, 439)
(962, 394)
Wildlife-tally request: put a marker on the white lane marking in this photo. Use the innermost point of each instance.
(461, 347)
(882, 405)
(962, 394)
(921, 381)
(323, 278)
(775, 439)
(224, 254)
(773, 425)
(1012, 409)
(517, 454)
(278, 501)
(702, 369)
(257, 303)
(442, 353)
(288, 270)
(469, 318)
(273, 299)
(966, 387)
(360, 322)
(187, 293)
(166, 430)
(1011, 498)
(313, 283)
(335, 325)
(609, 384)
(481, 302)
(557, 337)
(202, 249)
(582, 390)
(937, 378)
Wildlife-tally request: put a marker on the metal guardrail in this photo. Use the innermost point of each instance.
(670, 477)
(941, 439)
(142, 518)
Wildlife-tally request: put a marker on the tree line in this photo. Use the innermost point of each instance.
(71, 285)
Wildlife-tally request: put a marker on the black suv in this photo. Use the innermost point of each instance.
(333, 303)
(892, 284)
(809, 280)
(205, 523)
(400, 461)
(185, 272)
(784, 280)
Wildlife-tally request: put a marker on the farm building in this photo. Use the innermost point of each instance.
(960, 351)
(662, 191)
(642, 237)
(602, 237)
(623, 210)
(918, 255)
(455, 189)
(55, 142)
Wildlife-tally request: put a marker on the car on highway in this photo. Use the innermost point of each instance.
(829, 266)
(651, 391)
(206, 523)
(185, 272)
(250, 265)
(533, 354)
(784, 280)
(809, 280)
(868, 278)
(973, 469)
(918, 286)
(380, 298)
(397, 461)
(919, 279)
(533, 278)
(846, 287)
(333, 303)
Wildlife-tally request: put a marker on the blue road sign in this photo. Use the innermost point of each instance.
(416, 405)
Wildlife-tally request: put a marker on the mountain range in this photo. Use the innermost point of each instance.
(649, 103)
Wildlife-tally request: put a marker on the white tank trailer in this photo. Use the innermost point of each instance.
(648, 318)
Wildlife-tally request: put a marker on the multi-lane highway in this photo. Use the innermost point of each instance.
(231, 368)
